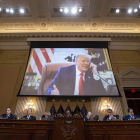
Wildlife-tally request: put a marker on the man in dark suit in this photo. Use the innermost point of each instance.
(110, 115)
(79, 79)
(8, 114)
(131, 115)
(67, 113)
(28, 116)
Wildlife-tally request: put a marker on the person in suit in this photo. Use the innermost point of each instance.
(110, 115)
(28, 116)
(8, 114)
(47, 117)
(79, 79)
(96, 118)
(67, 113)
(89, 116)
(131, 115)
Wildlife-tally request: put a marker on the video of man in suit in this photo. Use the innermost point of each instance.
(69, 72)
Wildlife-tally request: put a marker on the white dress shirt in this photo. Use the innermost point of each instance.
(131, 117)
(28, 117)
(77, 78)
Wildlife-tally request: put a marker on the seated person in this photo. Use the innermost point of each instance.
(83, 72)
(8, 114)
(28, 116)
(96, 118)
(131, 115)
(89, 116)
(68, 114)
(47, 117)
(110, 115)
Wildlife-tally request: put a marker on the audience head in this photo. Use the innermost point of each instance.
(67, 113)
(47, 114)
(8, 110)
(29, 111)
(109, 111)
(82, 61)
(130, 111)
(89, 116)
(97, 117)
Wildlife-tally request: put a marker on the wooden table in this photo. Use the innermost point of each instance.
(47, 130)
(112, 130)
(25, 130)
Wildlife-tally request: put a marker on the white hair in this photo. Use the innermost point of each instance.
(83, 55)
(89, 114)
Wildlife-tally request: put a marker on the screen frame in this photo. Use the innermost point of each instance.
(36, 44)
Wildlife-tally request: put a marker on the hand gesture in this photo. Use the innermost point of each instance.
(94, 68)
(55, 91)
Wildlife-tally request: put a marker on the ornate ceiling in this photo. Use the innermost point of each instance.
(96, 18)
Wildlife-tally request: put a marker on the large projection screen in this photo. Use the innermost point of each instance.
(69, 68)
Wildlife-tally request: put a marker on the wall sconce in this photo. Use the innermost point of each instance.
(105, 106)
(30, 104)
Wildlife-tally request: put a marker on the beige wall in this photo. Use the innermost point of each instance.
(12, 67)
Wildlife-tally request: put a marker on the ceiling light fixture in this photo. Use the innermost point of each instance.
(61, 10)
(22, 10)
(117, 10)
(139, 6)
(135, 10)
(7, 10)
(74, 10)
(0, 9)
(66, 10)
(11, 11)
(129, 11)
(80, 10)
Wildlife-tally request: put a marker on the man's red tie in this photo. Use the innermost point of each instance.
(81, 85)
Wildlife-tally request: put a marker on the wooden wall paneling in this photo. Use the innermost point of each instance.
(8, 78)
(12, 62)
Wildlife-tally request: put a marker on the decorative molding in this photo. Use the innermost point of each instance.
(68, 132)
(68, 25)
(130, 73)
(43, 26)
(19, 26)
(121, 26)
(13, 56)
(125, 57)
(94, 26)
(114, 36)
(131, 83)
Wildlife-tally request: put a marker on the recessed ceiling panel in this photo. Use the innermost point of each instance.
(125, 3)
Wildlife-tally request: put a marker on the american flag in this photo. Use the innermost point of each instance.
(39, 57)
(53, 111)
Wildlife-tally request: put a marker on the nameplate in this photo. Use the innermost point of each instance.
(68, 122)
